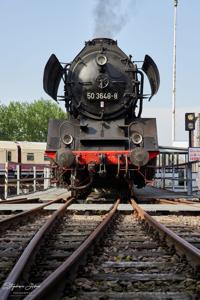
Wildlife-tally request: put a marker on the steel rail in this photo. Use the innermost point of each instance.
(19, 200)
(47, 287)
(30, 251)
(10, 220)
(191, 252)
(179, 201)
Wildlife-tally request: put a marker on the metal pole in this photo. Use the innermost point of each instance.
(34, 180)
(174, 76)
(6, 180)
(189, 169)
(48, 177)
(198, 144)
(173, 175)
(45, 180)
(198, 131)
(18, 179)
(163, 169)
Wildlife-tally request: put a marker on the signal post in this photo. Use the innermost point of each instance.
(190, 127)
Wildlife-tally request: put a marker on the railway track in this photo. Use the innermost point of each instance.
(70, 233)
(134, 264)
(19, 200)
(138, 259)
(4, 215)
(177, 201)
(14, 239)
(56, 241)
(187, 227)
(16, 231)
(15, 219)
(60, 235)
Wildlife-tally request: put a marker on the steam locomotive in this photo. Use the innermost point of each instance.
(104, 140)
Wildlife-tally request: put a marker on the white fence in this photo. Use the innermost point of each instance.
(22, 182)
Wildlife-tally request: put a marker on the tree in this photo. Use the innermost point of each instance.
(28, 121)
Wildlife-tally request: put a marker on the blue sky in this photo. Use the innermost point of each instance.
(30, 30)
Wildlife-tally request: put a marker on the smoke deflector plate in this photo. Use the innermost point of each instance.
(52, 75)
(151, 70)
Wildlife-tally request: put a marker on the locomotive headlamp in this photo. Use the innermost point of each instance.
(67, 139)
(136, 138)
(190, 121)
(101, 59)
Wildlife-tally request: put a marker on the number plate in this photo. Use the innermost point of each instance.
(101, 96)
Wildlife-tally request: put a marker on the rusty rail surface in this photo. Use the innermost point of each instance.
(19, 200)
(179, 201)
(48, 287)
(191, 252)
(31, 250)
(11, 220)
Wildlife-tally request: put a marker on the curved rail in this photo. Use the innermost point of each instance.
(191, 252)
(47, 287)
(30, 251)
(20, 216)
(19, 200)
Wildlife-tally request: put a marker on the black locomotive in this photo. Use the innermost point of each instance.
(104, 139)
